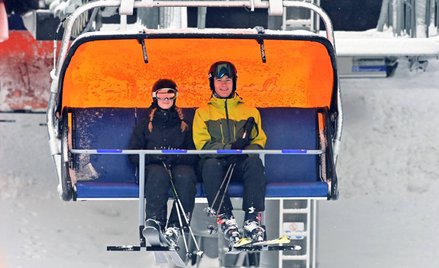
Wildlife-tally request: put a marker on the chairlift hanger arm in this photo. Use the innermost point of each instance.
(153, 3)
(260, 40)
(145, 55)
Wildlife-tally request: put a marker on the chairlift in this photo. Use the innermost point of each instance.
(101, 88)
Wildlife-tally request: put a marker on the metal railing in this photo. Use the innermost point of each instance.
(143, 153)
(409, 17)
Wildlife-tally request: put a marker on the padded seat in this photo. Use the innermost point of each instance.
(103, 189)
(288, 176)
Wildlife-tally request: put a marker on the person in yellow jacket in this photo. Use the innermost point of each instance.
(221, 125)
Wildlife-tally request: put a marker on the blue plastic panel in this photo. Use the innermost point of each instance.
(291, 128)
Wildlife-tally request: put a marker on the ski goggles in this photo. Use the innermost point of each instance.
(223, 69)
(165, 94)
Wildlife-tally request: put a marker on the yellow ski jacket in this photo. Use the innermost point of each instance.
(218, 124)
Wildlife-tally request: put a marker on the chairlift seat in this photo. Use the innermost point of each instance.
(115, 177)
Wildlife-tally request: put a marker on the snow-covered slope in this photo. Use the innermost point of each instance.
(388, 172)
(386, 215)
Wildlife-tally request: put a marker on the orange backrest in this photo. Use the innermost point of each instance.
(112, 72)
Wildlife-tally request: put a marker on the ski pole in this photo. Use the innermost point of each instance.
(181, 225)
(180, 207)
(176, 204)
(231, 167)
(211, 211)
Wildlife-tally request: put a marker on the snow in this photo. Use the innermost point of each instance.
(375, 43)
(388, 175)
(386, 215)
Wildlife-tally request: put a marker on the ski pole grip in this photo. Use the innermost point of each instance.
(248, 126)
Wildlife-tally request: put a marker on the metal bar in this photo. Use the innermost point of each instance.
(149, 4)
(199, 152)
(437, 13)
(412, 7)
(141, 189)
(281, 221)
(325, 18)
(314, 234)
(308, 233)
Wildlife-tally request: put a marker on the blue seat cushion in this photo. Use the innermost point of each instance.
(286, 189)
(103, 189)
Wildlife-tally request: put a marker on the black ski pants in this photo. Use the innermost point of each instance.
(248, 170)
(157, 192)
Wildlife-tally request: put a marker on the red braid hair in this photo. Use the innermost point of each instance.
(151, 116)
(183, 126)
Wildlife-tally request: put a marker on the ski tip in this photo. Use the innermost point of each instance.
(284, 239)
(242, 242)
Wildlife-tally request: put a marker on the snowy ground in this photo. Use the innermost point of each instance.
(386, 215)
(389, 181)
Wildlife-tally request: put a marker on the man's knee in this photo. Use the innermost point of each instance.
(211, 165)
(211, 170)
(209, 162)
(254, 163)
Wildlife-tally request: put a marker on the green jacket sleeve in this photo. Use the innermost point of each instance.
(261, 138)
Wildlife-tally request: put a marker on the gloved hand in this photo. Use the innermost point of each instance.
(240, 144)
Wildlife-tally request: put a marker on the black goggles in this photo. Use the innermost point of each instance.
(223, 69)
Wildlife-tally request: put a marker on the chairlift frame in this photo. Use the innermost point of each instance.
(58, 121)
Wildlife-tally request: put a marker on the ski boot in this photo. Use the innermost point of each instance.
(230, 228)
(153, 233)
(172, 234)
(254, 231)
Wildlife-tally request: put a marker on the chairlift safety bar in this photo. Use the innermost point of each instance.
(198, 152)
(142, 153)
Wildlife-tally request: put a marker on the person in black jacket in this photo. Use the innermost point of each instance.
(164, 127)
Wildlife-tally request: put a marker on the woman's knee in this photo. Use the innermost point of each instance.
(185, 172)
(156, 169)
(156, 174)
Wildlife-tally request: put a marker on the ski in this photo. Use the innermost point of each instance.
(278, 244)
(159, 245)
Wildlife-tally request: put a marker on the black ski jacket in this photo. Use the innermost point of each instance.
(166, 134)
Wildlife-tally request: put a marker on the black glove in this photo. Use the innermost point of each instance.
(240, 144)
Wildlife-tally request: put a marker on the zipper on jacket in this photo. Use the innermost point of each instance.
(222, 132)
(227, 120)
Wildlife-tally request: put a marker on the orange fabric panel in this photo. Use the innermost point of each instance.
(112, 73)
